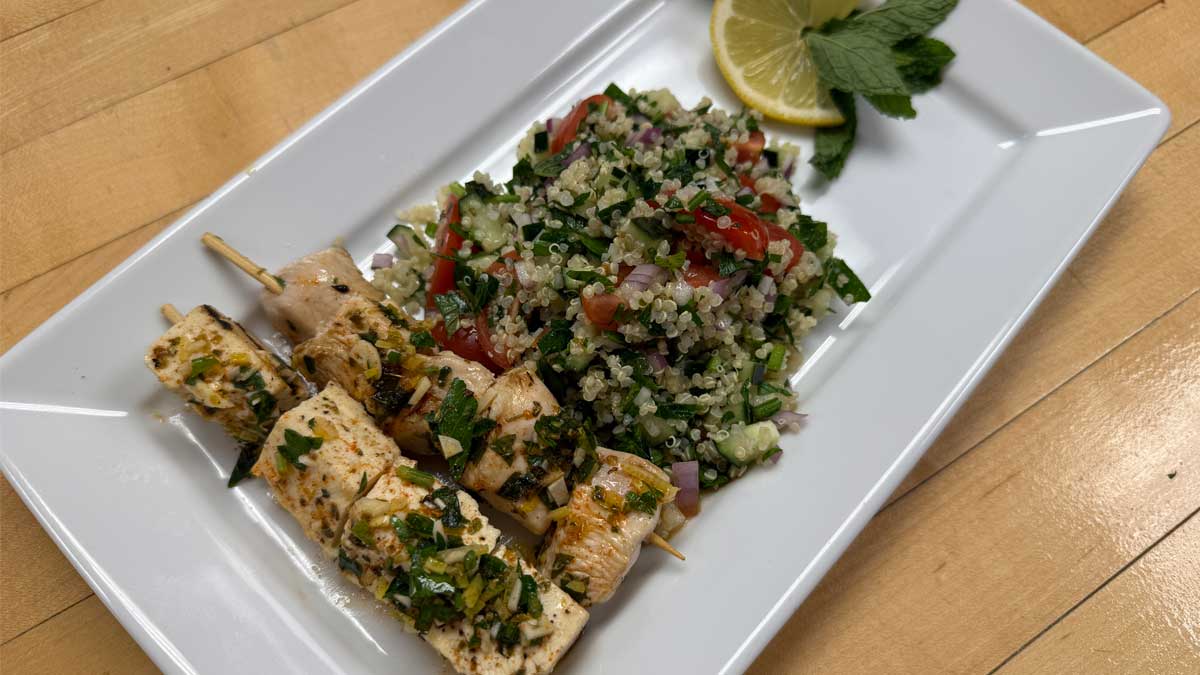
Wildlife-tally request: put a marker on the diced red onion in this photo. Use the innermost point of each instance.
(725, 287)
(381, 261)
(788, 418)
(657, 361)
(766, 285)
(402, 242)
(550, 125)
(650, 136)
(644, 276)
(787, 170)
(774, 459)
(686, 477)
(744, 192)
(582, 150)
(639, 118)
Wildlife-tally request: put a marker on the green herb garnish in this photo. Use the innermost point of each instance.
(881, 54)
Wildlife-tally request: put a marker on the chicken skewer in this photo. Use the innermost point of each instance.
(331, 466)
(365, 346)
(226, 375)
(304, 293)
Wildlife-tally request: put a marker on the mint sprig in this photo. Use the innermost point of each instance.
(881, 54)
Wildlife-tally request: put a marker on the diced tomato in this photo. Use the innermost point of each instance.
(465, 342)
(446, 244)
(775, 233)
(752, 149)
(747, 233)
(499, 267)
(769, 203)
(700, 271)
(497, 356)
(601, 310)
(566, 130)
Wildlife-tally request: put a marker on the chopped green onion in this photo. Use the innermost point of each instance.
(458, 190)
(671, 262)
(699, 198)
(775, 360)
(200, 366)
(415, 476)
(684, 218)
(767, 408)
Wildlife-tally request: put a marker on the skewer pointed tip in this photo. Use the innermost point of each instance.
(173, 315)
(261, 275)
(655, 540)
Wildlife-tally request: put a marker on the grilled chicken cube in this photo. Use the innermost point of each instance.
(225, 374)
(354, 344)
(366, 348)
(476, 602)
(320, 458)
(429, 378)
(515, 403)
(314, 287)
(594, 545)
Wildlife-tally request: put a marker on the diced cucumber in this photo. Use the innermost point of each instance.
(647, 242)
(657, 429)
(747, 444)
(485, 228)
(580, 361)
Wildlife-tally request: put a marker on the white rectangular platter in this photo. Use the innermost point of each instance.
(959, 221)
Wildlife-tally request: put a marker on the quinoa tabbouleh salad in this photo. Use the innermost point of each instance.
(650, 262)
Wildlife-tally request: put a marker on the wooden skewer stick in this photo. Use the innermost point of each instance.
(260, 274)
(655, 540)
(172, 314)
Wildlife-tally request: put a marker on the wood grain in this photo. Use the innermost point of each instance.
(83, 639)
(1085, 20)
(112, 50)
(89, 183)
(1146, 621)
(18, 16)
(961, 573)
(29, 305)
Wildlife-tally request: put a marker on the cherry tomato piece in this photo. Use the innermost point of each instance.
(601, 310)
(752, 149)
(566, 130)
(445, 244)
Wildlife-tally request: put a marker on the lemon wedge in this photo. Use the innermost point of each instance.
(759, 48)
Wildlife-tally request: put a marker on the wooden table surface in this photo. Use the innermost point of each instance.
(1049, 529)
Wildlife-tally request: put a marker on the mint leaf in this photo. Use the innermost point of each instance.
(920, 61)
(894, 106)
(453, 308)
(896, 20)
(296, 445)
(853, 60)
(812, 233)
(849, 287)
(456, 419)
(833, 144)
